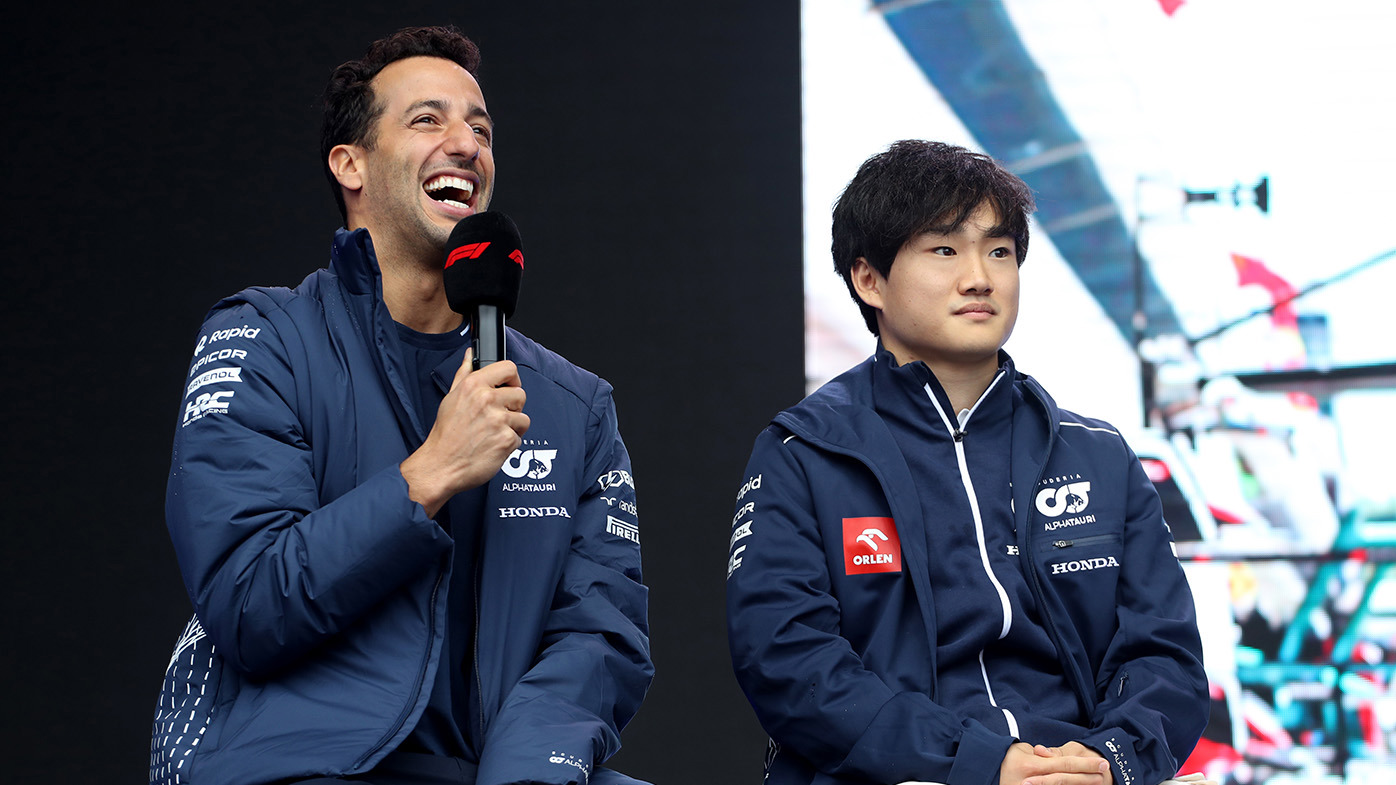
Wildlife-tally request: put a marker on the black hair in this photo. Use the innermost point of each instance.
(350, 108)
(915, 186)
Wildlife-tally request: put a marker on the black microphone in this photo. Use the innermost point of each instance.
(484, 267)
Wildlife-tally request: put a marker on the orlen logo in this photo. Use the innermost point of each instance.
(871, 545)
(517, 256)
(535, 464)
(467, 251)
(1070, 498)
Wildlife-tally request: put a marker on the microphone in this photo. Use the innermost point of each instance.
(484, 267)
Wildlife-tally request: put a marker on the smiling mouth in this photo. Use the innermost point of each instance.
(450, 190)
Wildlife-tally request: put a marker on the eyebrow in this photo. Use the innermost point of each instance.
(475, 112)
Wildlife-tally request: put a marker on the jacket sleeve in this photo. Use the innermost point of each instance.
(808, 686)
(271, 570)
(1151, 688)
(564, 717)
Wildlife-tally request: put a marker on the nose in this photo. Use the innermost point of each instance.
(461, 141)
(974, 276)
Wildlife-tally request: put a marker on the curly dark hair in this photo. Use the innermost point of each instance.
(350, 108)
(915, 186)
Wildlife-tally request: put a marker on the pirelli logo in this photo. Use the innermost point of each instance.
(623, 529)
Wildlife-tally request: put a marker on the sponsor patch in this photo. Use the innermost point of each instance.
(871, 545)
(616, 478)
(534, 512)
(215, 356)
(1070, 498)
(215, 376)
(1084, 565)
(206, 404)
(245, 331)
(533, 463)
(571, 760)
(625, 505)
(734, 561)
(623, 529)
(752, 484)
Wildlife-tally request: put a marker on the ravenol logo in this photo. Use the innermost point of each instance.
(535, 464)
(871, 545)
(1070, 498)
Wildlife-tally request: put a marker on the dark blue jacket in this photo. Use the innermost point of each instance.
(835, 649)
(321, 585)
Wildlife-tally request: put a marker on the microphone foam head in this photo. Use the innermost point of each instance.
(484, 263)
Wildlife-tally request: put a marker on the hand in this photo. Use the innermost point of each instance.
(479, 423)
(1070, 764)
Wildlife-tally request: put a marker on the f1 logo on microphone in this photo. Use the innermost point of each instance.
(468, 251)
(871, 545)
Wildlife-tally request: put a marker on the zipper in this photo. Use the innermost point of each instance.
(1124, 677)
(1084, 541)
(475, 641)
(1072, 671)
(416, 684)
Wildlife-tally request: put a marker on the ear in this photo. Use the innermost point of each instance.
(868, 283)
(347, 165)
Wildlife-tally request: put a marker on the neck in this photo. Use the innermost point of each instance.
(964, 386)
(412, 285)
(963, 382)
(416, 298)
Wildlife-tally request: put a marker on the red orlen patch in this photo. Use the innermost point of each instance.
(871, 545)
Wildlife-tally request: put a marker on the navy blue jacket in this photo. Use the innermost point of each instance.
(321, 585)
(834, 642)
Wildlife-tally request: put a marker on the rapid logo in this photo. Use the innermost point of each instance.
(244, 331)
(752, 484)
(871, 545)
(534, 464)
(206, 404)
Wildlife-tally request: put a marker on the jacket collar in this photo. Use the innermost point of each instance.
(353, 261)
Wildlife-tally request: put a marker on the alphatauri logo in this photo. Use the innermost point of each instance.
(871, 545)
(534, 464)
(1070, 498)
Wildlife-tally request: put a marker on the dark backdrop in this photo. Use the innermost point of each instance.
(160, 158)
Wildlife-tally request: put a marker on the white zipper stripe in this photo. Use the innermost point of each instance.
(1007, 715)
(1090, 428)
(974, 503)
(979, 536)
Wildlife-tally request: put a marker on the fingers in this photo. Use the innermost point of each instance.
(500, 374)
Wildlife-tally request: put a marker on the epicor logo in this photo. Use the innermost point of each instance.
(1070, 498)
(535, 464)
(871, 545)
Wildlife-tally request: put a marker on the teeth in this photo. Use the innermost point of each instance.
(454, 203)
(447, 181)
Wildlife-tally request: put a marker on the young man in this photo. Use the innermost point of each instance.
(402, 570)
(935, 574)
